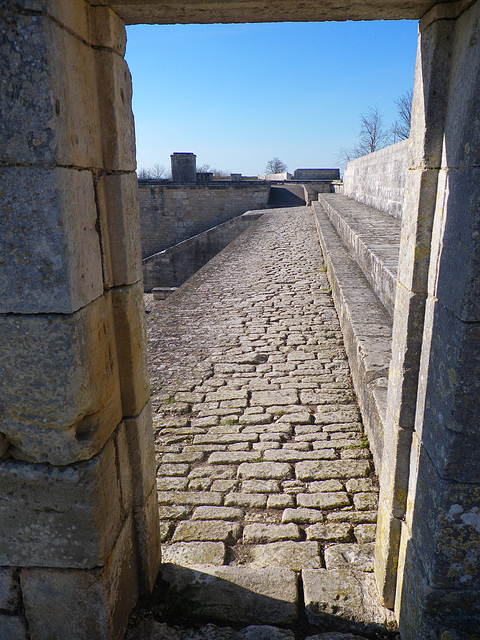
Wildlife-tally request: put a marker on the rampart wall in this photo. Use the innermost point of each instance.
(172, 213)
(378, 179)
(172, 266)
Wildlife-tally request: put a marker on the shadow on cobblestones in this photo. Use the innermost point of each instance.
(267, 492)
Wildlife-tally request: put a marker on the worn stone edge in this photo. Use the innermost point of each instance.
(365, 256)
(359, 342)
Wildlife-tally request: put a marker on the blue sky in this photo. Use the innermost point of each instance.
(238, 95)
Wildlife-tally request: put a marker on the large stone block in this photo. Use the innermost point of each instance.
(429, 613)
(117, 200)
(386, 555)
(10, 599)
(141, 452)
(448, 416)
(115, 100)
(444, 519)
(344, 599)
(430, 94)
(455, 263)
(404, 365)
(131, 341)
(462, 126)
(60, 387)
(50, 249)
(147, 536)
(136, 467)
(85, 605)
(394, 479)
(170, 12)
(136, 461)
(124, 470)
(50, 112)
(395, 468)
(99, 26)
(13, 627)
(59, 516)
(72, 14)
(417, 225)
(107, 29)
(247, 595)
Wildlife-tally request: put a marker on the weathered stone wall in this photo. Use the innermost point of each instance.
(79, 537)
(378, 179)
(171, 12)
(171, 267)
(184, 167)
(427, 552)
(171, 213)
(78, 521)
(284, 175)
(316, 174)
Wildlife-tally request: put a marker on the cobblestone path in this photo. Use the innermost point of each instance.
(262, 462)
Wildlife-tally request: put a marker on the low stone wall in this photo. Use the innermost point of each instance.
(171, 267)
(378, 179)
(276, 176)
(171, 213)
(316, 174)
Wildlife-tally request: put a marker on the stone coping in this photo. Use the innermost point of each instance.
(366, 327)
(240, 220)
(373, 237)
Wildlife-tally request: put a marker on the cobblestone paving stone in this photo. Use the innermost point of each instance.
(262, 460)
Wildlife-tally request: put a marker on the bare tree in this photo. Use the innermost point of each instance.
(345, 155)
(401, 126)
(373, 135)
(217, 174)
(143, 174)
(157, 172)
(220, 174)
(275, 166)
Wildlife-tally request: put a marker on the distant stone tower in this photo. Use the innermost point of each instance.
(184, 168)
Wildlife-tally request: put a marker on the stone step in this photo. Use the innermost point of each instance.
(235, 595)
(373, 239)
(366, 328)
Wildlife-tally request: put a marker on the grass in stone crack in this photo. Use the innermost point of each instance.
(362, 444)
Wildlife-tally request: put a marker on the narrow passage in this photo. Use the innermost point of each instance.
(265, 480)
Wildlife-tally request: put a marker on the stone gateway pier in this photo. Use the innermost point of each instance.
(80, 532)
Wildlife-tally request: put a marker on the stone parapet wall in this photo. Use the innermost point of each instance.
(172, 213)
(171, 267)
(378, 179)
(79, 535)
(284, 175)
(316, 174)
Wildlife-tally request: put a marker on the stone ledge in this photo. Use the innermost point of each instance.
(345, 599)
(367, 335)
(372, 236)
(173, 266)
(235, 594)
